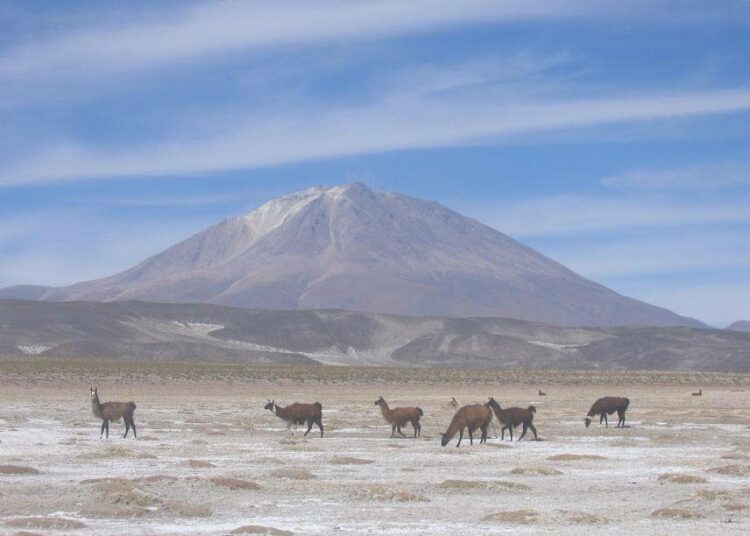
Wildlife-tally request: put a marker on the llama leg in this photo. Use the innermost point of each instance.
(398, 428)
(484, 435)
(533, 429)
(460, 437)
(106, 428)
(309, 427)
(523, 433)
(471, 436)
(393, 431)
(510, 429)
(104, 424)
(132, 425)
(320, 425)
(127, 426)
(606, 422)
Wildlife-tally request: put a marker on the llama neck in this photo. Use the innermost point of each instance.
(96, 406)
(385, 410)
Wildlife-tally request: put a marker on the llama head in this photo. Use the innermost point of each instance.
(269, 405)
(94, 393)
(379, 401)
(453, 403)
(587, 421)
(444, 440)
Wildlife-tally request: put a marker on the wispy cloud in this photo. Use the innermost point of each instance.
(216, 27)
(660, 252)
(391, 125)
(703, 176)
(588, 214)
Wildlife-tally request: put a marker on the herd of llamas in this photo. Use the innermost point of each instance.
(468, 418)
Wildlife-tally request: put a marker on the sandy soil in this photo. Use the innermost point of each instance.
(210, 460)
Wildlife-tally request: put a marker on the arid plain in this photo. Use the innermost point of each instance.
(210, 460)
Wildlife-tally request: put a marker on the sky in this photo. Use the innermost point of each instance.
(613, 137)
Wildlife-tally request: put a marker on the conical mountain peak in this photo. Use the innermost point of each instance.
(351, 247)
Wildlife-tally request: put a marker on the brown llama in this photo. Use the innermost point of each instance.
(511, 418)
(113, 411)
(297, 413)
(698, 393)
(398, 417)
(470, 418)
(456, 406)
(607, 406)
(542, 393)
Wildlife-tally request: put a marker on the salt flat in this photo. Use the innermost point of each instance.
(210, 460)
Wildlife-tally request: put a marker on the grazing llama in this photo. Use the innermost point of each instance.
(470, 418)
(113, 411)
(398, 417)
(541, 393)
(607, 406)
(297, 413)
(698, 393)
(456, 406)
(510, 418)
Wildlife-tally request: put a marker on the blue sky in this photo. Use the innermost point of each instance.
(611, 136)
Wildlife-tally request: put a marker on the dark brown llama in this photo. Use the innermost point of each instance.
(542, 393)
(398, 417)
(470, 418)
(607, 406)
(297, 413)
(511, 418)
(113, 411)
(699, 393)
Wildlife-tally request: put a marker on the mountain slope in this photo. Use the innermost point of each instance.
(740, 325)
(143, 330)
(349, 247)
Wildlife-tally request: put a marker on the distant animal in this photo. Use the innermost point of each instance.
(456, 406)
(113, 411)
(468, 418)
(398, 417)
(607, 406)
(541, 393)
(297, 413)
(699, 393)
(511, 418)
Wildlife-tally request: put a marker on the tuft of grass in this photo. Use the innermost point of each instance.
(495, 485)
(536, 470)
(522, 517)
(17, 470)
(676, 513)
(682, 479)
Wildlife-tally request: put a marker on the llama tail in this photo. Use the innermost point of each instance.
(419, 410)
(318, 405)
(532, 409)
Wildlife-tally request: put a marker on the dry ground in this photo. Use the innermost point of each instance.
(210, 460)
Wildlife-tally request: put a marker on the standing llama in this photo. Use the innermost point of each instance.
(510, 418)
(398, 417)
(471, 418)
(113, 411)
(297, 413)
(456, 406)
(607, 406)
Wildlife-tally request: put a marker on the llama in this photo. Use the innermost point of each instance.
(510, 418)
(456, 406)
(698, 393)
(297, 413)
(398, 417)
(607, 406)
(113, 411)
(542, 393)
(471, 418)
